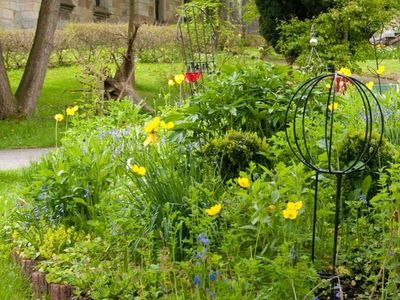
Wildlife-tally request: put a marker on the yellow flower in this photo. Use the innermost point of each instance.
(370, 85)
(290, 214)
(168, 125)
(345, 72)
(179, 78)
(59, 117)
(295, 205)
(72, 110)
(243, 182)
(153, 125)
(333, 106)
(328, 86)
(380, 70)
(138, 170)
(151, 139)
(214, 210)
(171, 82)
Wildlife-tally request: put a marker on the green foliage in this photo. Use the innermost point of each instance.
(251, 99)
(272, 12)
(233, 153)
(341, 32)
(356, 184)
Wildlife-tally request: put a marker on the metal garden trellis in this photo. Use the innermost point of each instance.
(197, 35)
(309, 105)
(310, 66)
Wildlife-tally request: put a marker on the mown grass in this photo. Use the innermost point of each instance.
(62, 88)
(12, 285)
(392, 68)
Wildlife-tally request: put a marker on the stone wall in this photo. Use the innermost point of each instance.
(24, 13)
(19, 13)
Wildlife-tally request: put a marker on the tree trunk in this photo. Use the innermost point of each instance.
(32, 81)
(7, 100)
(122, 84)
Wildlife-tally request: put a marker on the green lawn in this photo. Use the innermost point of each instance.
(12, 285)
(392, 68)
(62, 88)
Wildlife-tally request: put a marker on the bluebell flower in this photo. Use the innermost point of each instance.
(200, 254)
(293, 253)
(338, 289)
(86, 193)
(315, 298)
(196, 280)
(36, 211)
(203, 239)
(213, 276)
(363, 198)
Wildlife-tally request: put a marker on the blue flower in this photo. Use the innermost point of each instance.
(213, 276)
(196, 280)
(203, 239)
(363, 198)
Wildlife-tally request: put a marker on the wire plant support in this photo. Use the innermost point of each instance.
(314, 61)
(196, 32)
(315, 104)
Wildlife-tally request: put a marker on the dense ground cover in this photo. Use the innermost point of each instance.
(204, 199)
(12, 285)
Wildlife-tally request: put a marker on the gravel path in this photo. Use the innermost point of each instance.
(20, 158)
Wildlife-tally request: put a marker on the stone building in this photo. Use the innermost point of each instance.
(24, 13)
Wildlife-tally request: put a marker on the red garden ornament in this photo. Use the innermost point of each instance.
(192, 77)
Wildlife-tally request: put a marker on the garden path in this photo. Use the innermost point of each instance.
(20, 158)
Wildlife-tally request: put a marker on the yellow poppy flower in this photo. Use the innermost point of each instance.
(380, 70)
(171, 82)
(151, 139)
(168, 125)
(333, 106)
(179, 78)
(214, 210)
(138, 170)
(290, 214)
(153, 125)
(295, 205)
(345, 72)
(59, 117)
(243, 182)
(72, 110)
(370, 85)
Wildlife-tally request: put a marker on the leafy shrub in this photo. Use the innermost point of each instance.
(253, 98)
(233, 152)
(78, 41)
(349, 151)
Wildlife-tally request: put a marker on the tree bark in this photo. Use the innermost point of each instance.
(7, 100)
(32, 80)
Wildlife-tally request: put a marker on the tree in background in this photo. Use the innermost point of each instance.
(23, 103)
(273, 12)
(341, 31)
